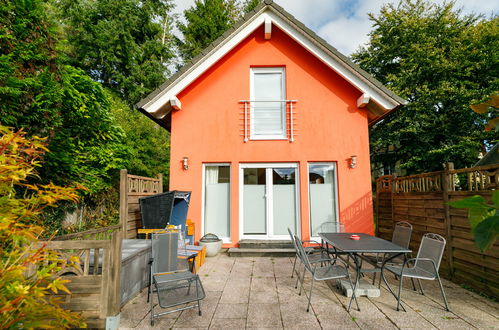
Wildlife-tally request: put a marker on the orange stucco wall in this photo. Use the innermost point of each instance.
(330, 129)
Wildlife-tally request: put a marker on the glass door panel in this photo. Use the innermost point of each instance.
(254, 201)
(283, 200)
(322, 187)
(217, 200)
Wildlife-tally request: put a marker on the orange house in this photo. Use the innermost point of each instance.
(269, 130)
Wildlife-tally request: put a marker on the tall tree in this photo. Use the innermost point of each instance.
(249, 5)
(50, 99)
(147, 144)
(441, 61)
(205, 21)
(126, 45)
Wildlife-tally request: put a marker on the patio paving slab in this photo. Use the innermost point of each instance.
(259, 293)
(231, 311)
(228, 324)
(263, 297)
(264, 315)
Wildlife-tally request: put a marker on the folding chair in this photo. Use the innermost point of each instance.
(333, 227)
(424, 267)
(402, 237)
(328, 271)
(313, 255)
(170, 277)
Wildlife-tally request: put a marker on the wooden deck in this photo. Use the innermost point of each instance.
(258, 293)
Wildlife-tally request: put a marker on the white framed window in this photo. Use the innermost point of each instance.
(322, 184)
(216, 200)
(268, 105)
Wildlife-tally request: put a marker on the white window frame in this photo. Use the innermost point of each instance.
(335, 206)
(283, 104)
(224, 239)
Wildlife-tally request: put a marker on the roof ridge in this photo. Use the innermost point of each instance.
(301, 28)
(204, 52)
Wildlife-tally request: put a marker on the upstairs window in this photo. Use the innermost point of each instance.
(268, 105)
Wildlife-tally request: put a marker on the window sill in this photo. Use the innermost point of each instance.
(268, 139)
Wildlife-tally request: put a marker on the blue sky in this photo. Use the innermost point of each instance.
(344, 23)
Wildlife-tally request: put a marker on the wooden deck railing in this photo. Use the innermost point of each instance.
(95, 282)
(92, 234)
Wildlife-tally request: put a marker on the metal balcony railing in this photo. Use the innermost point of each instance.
(289, 113)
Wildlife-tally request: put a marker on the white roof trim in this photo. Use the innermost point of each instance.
(175, 103)
(268, 29)
(363, 100)
(239, 35)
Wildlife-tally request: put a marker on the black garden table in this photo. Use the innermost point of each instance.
(366, 244)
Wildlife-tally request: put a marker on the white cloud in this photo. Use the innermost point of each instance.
(181, 5)
(345, 23)
(346, 34)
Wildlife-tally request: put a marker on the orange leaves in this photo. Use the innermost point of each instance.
(489, 106)
(58, 284)
(27, 268)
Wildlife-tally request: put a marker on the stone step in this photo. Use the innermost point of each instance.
(265, 244)
(264, 252)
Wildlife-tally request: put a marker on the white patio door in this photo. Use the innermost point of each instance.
(268, 200)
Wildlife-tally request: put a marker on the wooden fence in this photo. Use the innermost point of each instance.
(95, 282)
(132, 187)
(423, 200)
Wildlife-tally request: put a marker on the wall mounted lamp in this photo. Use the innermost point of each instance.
(353, 161)
(185, 163)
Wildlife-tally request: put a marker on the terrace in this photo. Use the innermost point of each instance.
(258, 292)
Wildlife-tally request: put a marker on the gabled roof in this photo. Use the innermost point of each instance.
(378, 100)
(490, 158)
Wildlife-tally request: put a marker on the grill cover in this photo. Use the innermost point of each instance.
(158, 211)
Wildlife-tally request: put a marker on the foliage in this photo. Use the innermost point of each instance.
(89, 147)
(99, 210)
(205, 21)
(484, 218)
(148, 144)
(27, 65)
(440, 61)
(249, 5)
(27, 268)
(489, 106)
(56, 101)
(124, 44)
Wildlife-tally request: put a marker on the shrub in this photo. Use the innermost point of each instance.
(27, 267)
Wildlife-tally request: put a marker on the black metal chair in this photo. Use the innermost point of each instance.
(424, 267)
(333, 227)
(170, 276)
(402, 237)
(325, 271)
(315, 255)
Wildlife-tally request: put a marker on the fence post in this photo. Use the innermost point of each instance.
(377, 207)
(384, 185)
(447, 219)
(160, 178)
(124, 200)
(114, 298)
